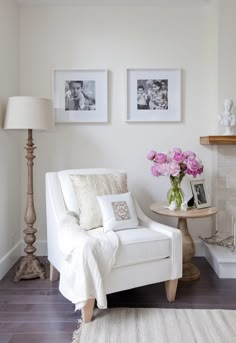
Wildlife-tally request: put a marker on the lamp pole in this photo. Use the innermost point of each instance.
(30, 267)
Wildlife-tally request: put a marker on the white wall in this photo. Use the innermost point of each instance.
(117, 38)
(10, 168)
(227, 51)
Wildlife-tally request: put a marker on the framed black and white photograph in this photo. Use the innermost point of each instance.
(80, 95)
(153, 95)
(200, 193)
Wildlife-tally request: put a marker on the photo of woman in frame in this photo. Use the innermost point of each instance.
(200, 193)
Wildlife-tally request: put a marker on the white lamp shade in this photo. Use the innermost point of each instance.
(24, 112)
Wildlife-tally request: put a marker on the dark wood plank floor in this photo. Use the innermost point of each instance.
(34, 311)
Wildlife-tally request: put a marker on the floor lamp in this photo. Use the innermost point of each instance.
(32, 114)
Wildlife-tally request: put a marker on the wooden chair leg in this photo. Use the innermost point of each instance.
(87, 311)
(171, 287)
(54, 273)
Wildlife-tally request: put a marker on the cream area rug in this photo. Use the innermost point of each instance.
(145, 325)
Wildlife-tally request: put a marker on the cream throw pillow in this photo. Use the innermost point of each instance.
(87, 187)
(118, 211)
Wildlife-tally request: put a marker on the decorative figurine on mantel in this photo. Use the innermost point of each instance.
(227, 118)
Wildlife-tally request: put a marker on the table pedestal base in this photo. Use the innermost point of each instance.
(190, 272)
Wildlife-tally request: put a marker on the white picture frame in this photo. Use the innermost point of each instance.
(80, 95)
(200, 193)
(163, 105)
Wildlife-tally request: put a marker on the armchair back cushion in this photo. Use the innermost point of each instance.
(87, 187)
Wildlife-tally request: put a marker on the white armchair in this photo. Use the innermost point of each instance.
(150, 254)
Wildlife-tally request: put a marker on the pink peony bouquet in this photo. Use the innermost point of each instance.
(175, 164)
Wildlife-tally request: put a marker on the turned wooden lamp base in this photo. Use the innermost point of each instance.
(30, 268)
(30, 113)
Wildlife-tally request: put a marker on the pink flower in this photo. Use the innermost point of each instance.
(188, 153)
(178, 157)
(191, 156)
(193, 164)
(154, 170)
(200, 170)
(177, 150)
(151, 155)
(194, 173)
(173, 168)
(162, 168)
(160, 158)
(169, 156)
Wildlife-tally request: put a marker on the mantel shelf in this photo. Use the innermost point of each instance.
(218, 140)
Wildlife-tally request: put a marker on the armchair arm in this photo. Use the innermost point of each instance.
(175, 236)
(56, 210)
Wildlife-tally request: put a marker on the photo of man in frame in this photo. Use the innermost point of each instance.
(80, 95)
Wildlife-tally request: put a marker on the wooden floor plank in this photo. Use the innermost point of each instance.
(62, 337)
(29, 292)
(31, 308)
(38, 327)
(7, 283)
(5, 337)
(37, 316)
(32, 299)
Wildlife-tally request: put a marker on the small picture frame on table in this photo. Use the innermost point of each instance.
(200, 193)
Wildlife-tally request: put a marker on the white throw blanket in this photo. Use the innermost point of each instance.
(88, 257)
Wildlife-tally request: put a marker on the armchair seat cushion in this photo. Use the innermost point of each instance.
(141, 245)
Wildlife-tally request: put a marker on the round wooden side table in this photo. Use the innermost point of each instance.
(190, 271)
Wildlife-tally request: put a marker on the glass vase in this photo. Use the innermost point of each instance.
(175, 193)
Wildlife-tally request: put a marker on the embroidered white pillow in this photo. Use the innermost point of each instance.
(87, 187)
(118, 212)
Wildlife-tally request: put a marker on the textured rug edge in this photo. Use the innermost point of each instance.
(77, 332)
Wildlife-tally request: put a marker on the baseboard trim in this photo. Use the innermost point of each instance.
(9, 259)
(200, 250)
